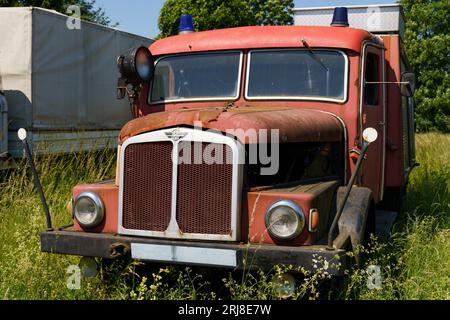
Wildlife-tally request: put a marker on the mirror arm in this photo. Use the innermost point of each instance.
(386, 82)
(132, 94)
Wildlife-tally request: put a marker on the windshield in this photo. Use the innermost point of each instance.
(297, 74)
(211, 76)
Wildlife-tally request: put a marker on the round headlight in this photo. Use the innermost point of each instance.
(136, 65)
(285, 220)
(88, 209)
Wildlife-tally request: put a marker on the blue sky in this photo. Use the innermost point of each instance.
(141, 16)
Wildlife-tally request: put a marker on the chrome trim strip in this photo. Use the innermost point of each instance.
(173, 228)
(197, 255)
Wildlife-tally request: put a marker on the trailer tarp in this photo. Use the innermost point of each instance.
(58, 78)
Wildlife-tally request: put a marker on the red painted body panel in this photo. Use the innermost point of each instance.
(394, 132)
(109, 193)
(308, 196)
(258, 203)
(262, 37)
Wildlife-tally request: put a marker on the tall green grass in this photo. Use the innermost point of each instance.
(415, 263)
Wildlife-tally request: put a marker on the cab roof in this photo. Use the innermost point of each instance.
(259, 37)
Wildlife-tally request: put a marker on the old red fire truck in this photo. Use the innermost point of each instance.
(314, 126)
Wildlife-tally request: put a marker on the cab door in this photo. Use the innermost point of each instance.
(372, 114)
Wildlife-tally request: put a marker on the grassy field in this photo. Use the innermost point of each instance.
(415, 264)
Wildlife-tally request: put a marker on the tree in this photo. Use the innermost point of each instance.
(272, 12)
(427, 43)
(217, 14)
(88, 12)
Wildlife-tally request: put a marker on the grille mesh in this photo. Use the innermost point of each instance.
(147, 190)
(205, 190)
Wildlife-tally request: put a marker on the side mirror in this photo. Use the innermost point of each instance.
(408, 84)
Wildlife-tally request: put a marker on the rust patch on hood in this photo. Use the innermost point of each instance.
(294, 125)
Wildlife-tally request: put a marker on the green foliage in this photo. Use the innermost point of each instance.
(88, 11)
(415, 264)
(272, 12)
(427, 43)
(217, 14)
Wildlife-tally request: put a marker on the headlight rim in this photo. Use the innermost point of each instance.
(100, 209)
(299, 213)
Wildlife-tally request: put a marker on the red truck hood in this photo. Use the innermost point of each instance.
(295, 125)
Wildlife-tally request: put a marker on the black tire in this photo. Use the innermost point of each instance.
(370, 225)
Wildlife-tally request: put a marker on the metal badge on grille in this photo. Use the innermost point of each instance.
(176, 135)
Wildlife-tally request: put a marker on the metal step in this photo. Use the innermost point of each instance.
(384, 220)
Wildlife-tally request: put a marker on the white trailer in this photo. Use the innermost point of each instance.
(59, 80)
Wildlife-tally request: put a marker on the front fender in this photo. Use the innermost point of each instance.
(353, 221)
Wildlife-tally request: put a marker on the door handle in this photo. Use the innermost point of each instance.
(381, 123)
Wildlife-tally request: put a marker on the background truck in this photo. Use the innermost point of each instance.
(332, 103)
(59, 81)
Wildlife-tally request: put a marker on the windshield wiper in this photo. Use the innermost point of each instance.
(315, 57)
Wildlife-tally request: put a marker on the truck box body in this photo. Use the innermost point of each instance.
(60, 81)
(383, 18)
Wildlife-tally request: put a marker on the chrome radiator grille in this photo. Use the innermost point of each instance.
(193, 200)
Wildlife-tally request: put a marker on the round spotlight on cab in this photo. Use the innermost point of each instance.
(136, 66)
(88, 209)
(285, 220)
(284, 285)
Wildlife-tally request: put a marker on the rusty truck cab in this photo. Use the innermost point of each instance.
(306, 94)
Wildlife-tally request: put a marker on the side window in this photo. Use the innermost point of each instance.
(372, 74)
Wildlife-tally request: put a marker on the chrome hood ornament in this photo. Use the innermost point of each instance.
(176, 135)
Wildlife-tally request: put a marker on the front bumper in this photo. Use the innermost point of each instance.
(210, 254)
